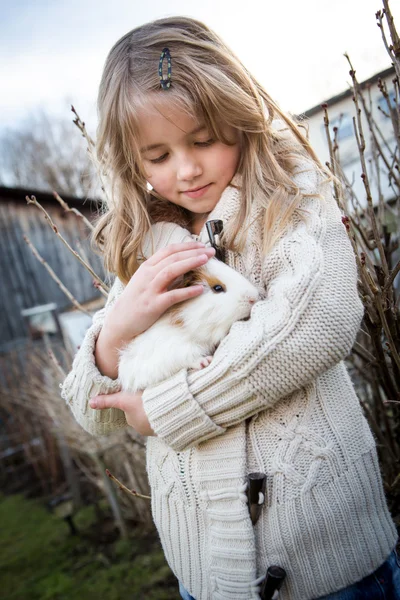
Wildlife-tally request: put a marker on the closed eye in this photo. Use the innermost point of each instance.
(159, 159)
(205, 144)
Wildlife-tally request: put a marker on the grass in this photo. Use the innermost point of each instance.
(41, 560)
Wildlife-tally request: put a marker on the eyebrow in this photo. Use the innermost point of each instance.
(154, 146)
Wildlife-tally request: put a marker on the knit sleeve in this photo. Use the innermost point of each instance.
(306, 324)
(85, 380)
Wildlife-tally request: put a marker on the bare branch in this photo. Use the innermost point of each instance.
(358, 130)
(54, 276)
(91, 147)
(332, 164)
(73, 210)
(32, 200)
(125, 489)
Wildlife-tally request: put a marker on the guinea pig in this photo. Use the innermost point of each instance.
(187, 334)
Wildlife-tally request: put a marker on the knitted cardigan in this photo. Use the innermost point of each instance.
(276, 399)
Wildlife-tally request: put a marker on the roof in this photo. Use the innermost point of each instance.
(19, 194)
(349, 92)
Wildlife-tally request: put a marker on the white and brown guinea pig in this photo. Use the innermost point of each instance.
(188, 333)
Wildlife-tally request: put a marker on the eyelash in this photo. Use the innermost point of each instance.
(199, 144)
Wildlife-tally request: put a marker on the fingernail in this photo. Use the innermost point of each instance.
(93, 403)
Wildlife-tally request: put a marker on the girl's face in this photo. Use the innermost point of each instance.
(182, 162)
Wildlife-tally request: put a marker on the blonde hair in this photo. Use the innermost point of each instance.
(209, 81)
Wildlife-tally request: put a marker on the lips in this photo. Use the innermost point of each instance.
(197, 192)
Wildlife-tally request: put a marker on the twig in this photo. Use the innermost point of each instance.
(358, 130)
(73, 210)
(125, 489)
(391, 110)
(366, 281)
(332, 164)
(346, 220)
(386, 329)
(394, 50)
(373, 125)
(391, 278)
(32, 200)
(82, 128)
(56, 362)
(395, 482)
(377, 431)
(375, 156)
(91, 146)
(364, 353)
(83, 254)
(54, 276)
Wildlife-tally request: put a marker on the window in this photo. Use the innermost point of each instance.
(344, 123)
(382, 103)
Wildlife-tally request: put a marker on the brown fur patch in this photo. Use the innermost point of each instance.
(194, 277)
(175, 319)
(212, 281)
(197, 276)
(162, 210)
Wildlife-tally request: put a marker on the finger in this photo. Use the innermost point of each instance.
(180, 295)
(165, 277)
(117, 400)
(171, 249)
(177, 257)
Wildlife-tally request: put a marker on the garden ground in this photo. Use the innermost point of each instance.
(41, 560)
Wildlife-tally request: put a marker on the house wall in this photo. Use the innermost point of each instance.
(348, 151)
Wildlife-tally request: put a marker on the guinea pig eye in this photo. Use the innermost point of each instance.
(218, 288)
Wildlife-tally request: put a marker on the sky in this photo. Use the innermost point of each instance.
(52, 51)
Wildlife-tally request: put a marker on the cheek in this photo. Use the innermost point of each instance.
(158, 178)
(229, 159)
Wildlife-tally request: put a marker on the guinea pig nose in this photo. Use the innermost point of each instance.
(251, 300)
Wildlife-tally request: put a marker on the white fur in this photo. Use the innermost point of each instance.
(165, 348)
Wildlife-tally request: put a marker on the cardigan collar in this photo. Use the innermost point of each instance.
(227, 206)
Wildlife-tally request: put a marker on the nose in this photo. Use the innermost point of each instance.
(188, 167)
(252, 298)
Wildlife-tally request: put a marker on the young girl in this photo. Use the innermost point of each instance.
(184, 125)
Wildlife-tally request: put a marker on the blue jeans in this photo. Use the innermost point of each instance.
(184, 593)
(382, 584)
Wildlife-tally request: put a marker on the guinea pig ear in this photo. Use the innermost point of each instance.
(190, 278)
(177, 283)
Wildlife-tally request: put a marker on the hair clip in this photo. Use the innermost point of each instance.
(214, 228)
(165, 82)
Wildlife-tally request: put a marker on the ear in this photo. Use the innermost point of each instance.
(177, 283)
(190, 278)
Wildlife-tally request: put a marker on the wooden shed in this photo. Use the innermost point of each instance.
(30, 301)
(25, 283)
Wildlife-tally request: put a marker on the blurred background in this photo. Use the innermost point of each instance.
(54, 51)
(68, 530)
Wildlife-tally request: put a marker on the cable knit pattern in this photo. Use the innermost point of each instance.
(307, 322)
(85, 380)
(277, 399)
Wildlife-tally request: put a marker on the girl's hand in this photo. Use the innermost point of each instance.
(131, 404)
(147, 297)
